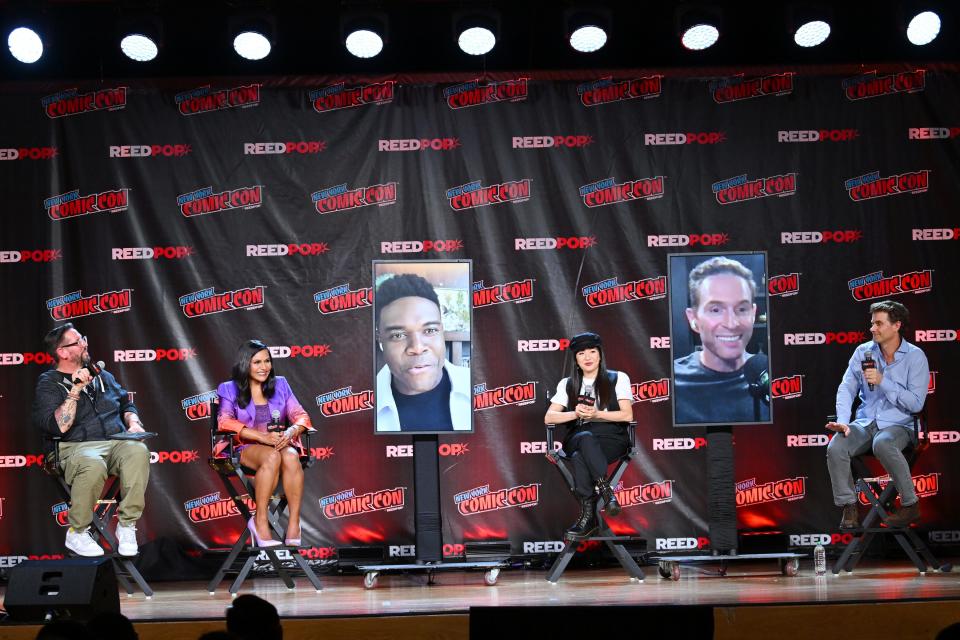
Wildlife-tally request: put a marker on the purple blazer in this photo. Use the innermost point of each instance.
(234, 418)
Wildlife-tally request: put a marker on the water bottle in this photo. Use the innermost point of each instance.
(819, 560)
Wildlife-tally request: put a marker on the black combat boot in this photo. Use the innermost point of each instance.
(609, 497)
(586, 524)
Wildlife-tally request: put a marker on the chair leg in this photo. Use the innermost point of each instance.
(134, 573)
(626, 561)
(228, 563)
(278, 566)
(911, 553)
(560, 564)
(244, 572)
(307, 570)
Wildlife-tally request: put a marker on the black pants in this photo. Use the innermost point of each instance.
(592, 449)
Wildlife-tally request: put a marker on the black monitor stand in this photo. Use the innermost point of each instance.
(428, 523)
(721, 497)
(426, 499)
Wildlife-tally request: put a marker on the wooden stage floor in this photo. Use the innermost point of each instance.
(396, 594)
(453, 594)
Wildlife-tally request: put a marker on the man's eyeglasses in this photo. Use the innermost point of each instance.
(83, 339)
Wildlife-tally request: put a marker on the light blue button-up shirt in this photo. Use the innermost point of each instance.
(901, 393)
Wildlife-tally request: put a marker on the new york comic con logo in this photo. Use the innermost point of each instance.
(741, 88)
(487, 295)
(198, 407)
(876, 285)
(75, 305)
(71, 102)
(206, 301)
(871, 185)
(926, 485)
(61, 513)
(342, 298)
(342, 197)
(202, 201)
(473, 195)
(339, 96)
(473, 93)
(206, 99)
(650, 493)
(481, 499)
(607, 90)
(749, 492)
(786, 284)
(517, 394)
(787, 387)
(71, 204)
(740, 189)
(343, 401)
(610, 291)
(213, 507)
(870, 85)
(607, 191)
(651, 390)
(347, 503)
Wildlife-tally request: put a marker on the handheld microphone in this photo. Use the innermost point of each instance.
(274, 421)
(585, 398)
(94, 368)
(868, 363)
(758, 377)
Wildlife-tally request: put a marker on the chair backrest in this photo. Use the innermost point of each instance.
(221, 442)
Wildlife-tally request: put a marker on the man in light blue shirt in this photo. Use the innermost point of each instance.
(890, 376)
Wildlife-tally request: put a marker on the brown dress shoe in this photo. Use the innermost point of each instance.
(851, 516)
(905, 516)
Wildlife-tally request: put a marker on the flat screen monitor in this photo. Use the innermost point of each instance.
(422, 319)
(719, 339)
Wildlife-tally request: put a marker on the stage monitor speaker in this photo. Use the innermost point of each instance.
(76, 588)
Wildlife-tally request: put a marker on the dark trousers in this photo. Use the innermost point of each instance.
(592, 450)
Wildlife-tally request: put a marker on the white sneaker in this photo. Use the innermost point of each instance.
(127, 540)
(82, 543)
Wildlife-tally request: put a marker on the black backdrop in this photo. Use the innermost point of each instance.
(570, 182)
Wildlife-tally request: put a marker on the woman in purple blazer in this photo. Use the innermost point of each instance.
(252, 402)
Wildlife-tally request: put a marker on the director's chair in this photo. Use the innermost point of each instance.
(613, 542)
(238, 482)
(103, 513)
(881, 498)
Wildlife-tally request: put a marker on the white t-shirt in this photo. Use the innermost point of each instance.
(622, 389)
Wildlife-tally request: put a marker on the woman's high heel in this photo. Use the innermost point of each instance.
(292, 542)
(257, 541)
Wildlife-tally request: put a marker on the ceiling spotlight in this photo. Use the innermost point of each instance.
(251, 45)
(699, 26)
(812, 33)
(253, 39)
(140, 36)
(809, 24)
(586, 30)
(364, 43)
(363, 34)
(923, 28)
(25, 45)
(476, 33)
(139, 47)
(700, 36)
